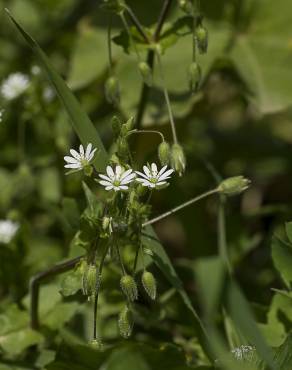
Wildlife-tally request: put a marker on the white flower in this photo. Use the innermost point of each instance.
(80, 160)
(1, 115)
(118, 179)
(152, 178)
(244, 353)
(8, 229)
(14, 85)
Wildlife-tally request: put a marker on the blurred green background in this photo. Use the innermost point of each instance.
(240, 122)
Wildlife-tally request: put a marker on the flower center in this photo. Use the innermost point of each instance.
(116, 182)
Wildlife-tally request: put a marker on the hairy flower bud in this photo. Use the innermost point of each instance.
(195, 76)
(128, 126)
(178, 160)
(149, 284)
(234, 185)
(146, 73)
(122, 147)
(201, 34)
(116, 126)
(186, 6)
(164, 153)
(112, 90)
(96, 344)
(125, 322)
(129, 287)
(91, 281)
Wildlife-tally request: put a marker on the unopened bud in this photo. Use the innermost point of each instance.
(96, 344)
(186, 6)
(112, 90)
(125, 322)
(88, 170)
(129, 287)
(178, 160)
(116, 126)
(122, 147)
(164, 153)
(195, 75)
(234, 185)
(201, 34)
(91, 281)
(149, 284)
(146, 73)
(128, 126)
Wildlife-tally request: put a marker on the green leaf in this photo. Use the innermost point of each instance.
(15, 343)
(242, 316)
(71, 283)
(79, 119)
(282, 258)
(262, 54)
(283, 354)
(163, 262)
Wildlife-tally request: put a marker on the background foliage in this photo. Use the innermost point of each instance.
(239, 121)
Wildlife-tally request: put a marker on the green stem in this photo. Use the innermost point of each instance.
(137, 23)
(109, 43)
(120, 258)
(147, 132)
(132, 41)
(167, 100)
(176, 209)
(221, 227)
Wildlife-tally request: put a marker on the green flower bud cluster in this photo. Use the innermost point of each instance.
(146, 73)
(178, 159)
(201, 35)
(115, 6)
(112, 90)
(164, 153)
(121, 132)
(90, 280)
(125, 322)
(195, 76)
(234, 185)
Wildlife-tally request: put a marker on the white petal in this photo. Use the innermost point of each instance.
(154, 168)
(75, 154)
(104, 177)
(109, 187)
(70, 159)
(126, 173)
(165, 175)
(91, 155)
(73, 165)
(161, 183)
(110, 172)
(128, 179)
(142, 174)
(118, 171)
(141, 180)
(88, 150)
(162, 170)
(81, 151)
(105, 183)
(147, 171)
(123, 187)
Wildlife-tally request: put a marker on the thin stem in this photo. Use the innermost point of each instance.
(125, 23)
(95, 316)
(194, 37)
(221, 227)
(150, 61)
(120, 259)
(170, 113)
(35, 283)
(138, 25)
(109, 43)
(176, 209)
(146, 132)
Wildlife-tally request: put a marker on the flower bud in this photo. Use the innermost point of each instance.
(125, 322)
(96, 344)
(91, 281)
(146, 73)
(178, 160)
(129, 287)
(88, 170)
(201, 34)
(234, 185)
(186, 6)
(116, 126)
(122, 147)
(112, 90)
(195, 75)
(128, 126)
(149, 284)
(164, 153)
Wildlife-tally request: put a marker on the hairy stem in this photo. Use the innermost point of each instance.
(137, 24)
(176, 209)
(147, 132)
(35, 283)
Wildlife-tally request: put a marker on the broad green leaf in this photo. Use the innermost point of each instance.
(89, 59)
(283, 354)
(71, 283)
(15, 343)
(282, 258)
(163, 262)
(80, 121)
(288, 228)
(242, 316)
(263, 54)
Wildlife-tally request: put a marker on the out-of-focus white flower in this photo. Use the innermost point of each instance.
(1, 115)
(8, 229)
(48, 94)
(152, 178)
(35, 70)
(14, 85)
(117, 179)
(80, 160)
(244, 353)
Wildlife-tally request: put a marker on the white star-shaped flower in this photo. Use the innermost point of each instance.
(117, 180)
(14, 85)
(8, 229)
(80, 160)
(152, 178)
